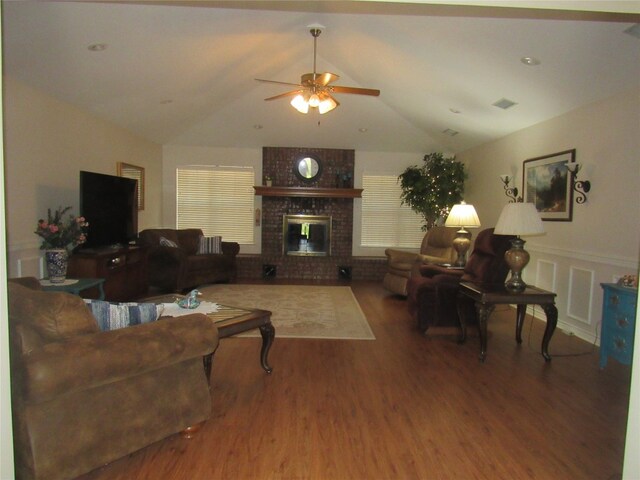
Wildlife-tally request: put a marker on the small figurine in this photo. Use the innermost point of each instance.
(190, 301)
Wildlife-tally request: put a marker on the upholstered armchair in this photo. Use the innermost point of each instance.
(437, 247)
(82, 397)
(432, 294)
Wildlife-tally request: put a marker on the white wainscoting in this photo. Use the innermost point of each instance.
(575, 277)
(25, 260)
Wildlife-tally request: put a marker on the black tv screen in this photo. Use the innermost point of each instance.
(109, 204)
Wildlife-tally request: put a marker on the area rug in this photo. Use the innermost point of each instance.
(299, 311)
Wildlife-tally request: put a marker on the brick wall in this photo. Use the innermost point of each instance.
(278, 163)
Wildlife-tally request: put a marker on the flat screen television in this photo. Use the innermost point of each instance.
(109, 204)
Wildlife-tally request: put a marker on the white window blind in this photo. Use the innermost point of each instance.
(385, 222)
(218, 200)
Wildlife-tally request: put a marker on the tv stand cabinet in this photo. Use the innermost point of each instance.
(124, 270)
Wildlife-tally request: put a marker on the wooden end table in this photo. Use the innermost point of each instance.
(486, 297)
(76, 287)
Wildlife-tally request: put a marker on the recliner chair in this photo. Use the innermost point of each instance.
(436, 247)
(432, 293)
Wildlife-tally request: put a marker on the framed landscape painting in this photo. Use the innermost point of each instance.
(548, 185)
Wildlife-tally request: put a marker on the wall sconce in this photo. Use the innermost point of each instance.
(511, 192)
(581, 187)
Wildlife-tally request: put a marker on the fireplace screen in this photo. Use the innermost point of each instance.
(306, 235)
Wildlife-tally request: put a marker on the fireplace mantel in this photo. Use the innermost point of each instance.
(312, 192)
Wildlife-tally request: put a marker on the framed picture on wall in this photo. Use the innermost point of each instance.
(548, 185)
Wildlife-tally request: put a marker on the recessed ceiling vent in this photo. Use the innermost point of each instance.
(504, 103)
(634, 30)
(451, 133)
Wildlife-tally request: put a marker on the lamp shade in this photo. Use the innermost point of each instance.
(519, 219)
(300, 103)
(462, 215)
(327, 104)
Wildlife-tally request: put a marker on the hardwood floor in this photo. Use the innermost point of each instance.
(405, 406)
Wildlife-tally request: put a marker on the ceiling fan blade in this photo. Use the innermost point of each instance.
(286, 94)
(357, 91)
(322, 79)
(326, 78)
(279, 83)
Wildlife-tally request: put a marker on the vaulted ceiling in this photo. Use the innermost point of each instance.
(184, 72)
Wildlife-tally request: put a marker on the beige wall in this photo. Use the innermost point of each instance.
(47, 143)
(602, 241)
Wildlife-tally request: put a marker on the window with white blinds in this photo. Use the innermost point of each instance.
(385, 222)
(218, 200)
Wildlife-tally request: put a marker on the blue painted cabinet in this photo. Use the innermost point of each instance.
(618, 323)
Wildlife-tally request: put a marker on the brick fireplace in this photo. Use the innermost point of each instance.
(337, 171)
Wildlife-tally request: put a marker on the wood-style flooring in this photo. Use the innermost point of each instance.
(405, 406)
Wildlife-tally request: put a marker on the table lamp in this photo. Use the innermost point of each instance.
(518, 219)
(462, 215)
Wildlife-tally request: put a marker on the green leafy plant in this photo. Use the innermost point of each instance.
(433, 188)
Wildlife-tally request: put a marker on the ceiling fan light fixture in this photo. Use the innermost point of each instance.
(314, 100)
(300, 103)
(327, 104)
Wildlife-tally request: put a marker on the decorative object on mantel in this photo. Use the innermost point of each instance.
(547, 185)
(432, 189)
(464, 216)
(510, 192)
(518, 219)
(314, 90)
(581, 187)
(59, 237)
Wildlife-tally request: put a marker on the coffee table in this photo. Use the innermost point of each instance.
(232, 320)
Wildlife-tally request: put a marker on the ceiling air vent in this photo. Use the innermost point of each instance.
(504, 103)
(451, 133)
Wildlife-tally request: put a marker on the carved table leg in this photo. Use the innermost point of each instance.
(268, 333)
(484, 311)
(462, 318)
(520, 313)
(551, 312)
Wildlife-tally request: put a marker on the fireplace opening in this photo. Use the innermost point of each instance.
(306, 235)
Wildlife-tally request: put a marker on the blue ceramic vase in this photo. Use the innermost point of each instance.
(56, 261)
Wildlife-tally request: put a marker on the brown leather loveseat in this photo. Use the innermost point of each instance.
(176, 269)
(82, 397)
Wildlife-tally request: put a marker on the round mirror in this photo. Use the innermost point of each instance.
(307, 169)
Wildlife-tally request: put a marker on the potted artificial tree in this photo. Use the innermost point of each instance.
(433, 188)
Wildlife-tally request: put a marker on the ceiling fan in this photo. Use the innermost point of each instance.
(314, 89)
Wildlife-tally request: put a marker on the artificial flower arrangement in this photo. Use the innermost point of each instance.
(56, 232)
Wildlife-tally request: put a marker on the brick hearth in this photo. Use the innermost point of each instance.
(278, 163)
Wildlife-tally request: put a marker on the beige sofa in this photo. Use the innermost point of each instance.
(437, 247)
(82, 397)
